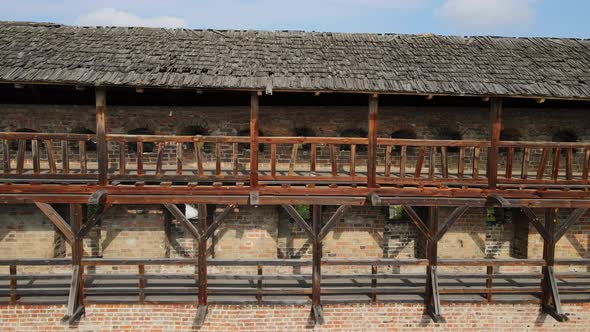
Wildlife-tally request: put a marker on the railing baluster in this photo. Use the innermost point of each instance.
(159, 157)
(431, 162)
(524, 170)
(65, 157)
(444, 164)
(218, 159)
(5, 157)
(586, 164)
(333, 160)
(461, 163)
(139, 158)
(122, 159)
(556, 159)
(235, 163)
(402, 161)
(388, 149)
(82, 150)
(419, 162)
(353, 160)
(509, 162)
(179, 158)
(543, 164)
(293, 160)
(36, 157)
(314, 157)
(20, 158)
(475, 168)
(50, 156)
(199, 157)
(569, 164)
(273, 159)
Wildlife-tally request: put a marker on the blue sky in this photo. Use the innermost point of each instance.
(560, 18)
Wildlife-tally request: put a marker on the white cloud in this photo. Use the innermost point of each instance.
(488, 16)
(113, 17)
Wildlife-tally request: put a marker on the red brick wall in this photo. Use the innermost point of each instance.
(359, 317)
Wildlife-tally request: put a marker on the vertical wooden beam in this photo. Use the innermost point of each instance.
(13, 285)
(432, 301)
(254, 110)
(316, 272)
(202, 255)
(493, 152)
(101, 132)
(550, 301)
(372, 148)
(76, 296)
(202, 267)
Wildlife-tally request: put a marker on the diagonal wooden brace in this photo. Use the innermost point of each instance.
(57, 220)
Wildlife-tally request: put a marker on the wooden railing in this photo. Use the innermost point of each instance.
(178, 158)
(42, 157)
(36, 155)
(322, 162)
(433, 162)
(545, 163)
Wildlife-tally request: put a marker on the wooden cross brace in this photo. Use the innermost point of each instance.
(451, 219)
(342, 209)
(563, 228)
(196, 233)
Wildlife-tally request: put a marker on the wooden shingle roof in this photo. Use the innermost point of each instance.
(292, 60)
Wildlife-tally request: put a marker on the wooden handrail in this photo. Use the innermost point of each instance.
(46, 136)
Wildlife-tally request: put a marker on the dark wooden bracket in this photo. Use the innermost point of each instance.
(95, 219)
(554, 310)
(496, 199)
(374, 199)
(318, 314)
(74, 309)
(201, 316)
(433, 309)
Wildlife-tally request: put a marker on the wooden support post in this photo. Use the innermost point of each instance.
(550, 300)
(13, 285)
(374, 284)
(259, 285)
(76, 295)
(254, 109)
(316, 265)
(493, 152)
(202, 267)
(372, 147)
(432, 300)
(141, 271)
(101, 132)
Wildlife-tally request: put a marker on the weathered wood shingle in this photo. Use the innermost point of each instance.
(429, 64)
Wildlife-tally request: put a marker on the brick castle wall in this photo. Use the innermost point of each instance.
(352, 317)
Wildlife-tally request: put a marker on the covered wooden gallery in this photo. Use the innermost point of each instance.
(294, 118)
